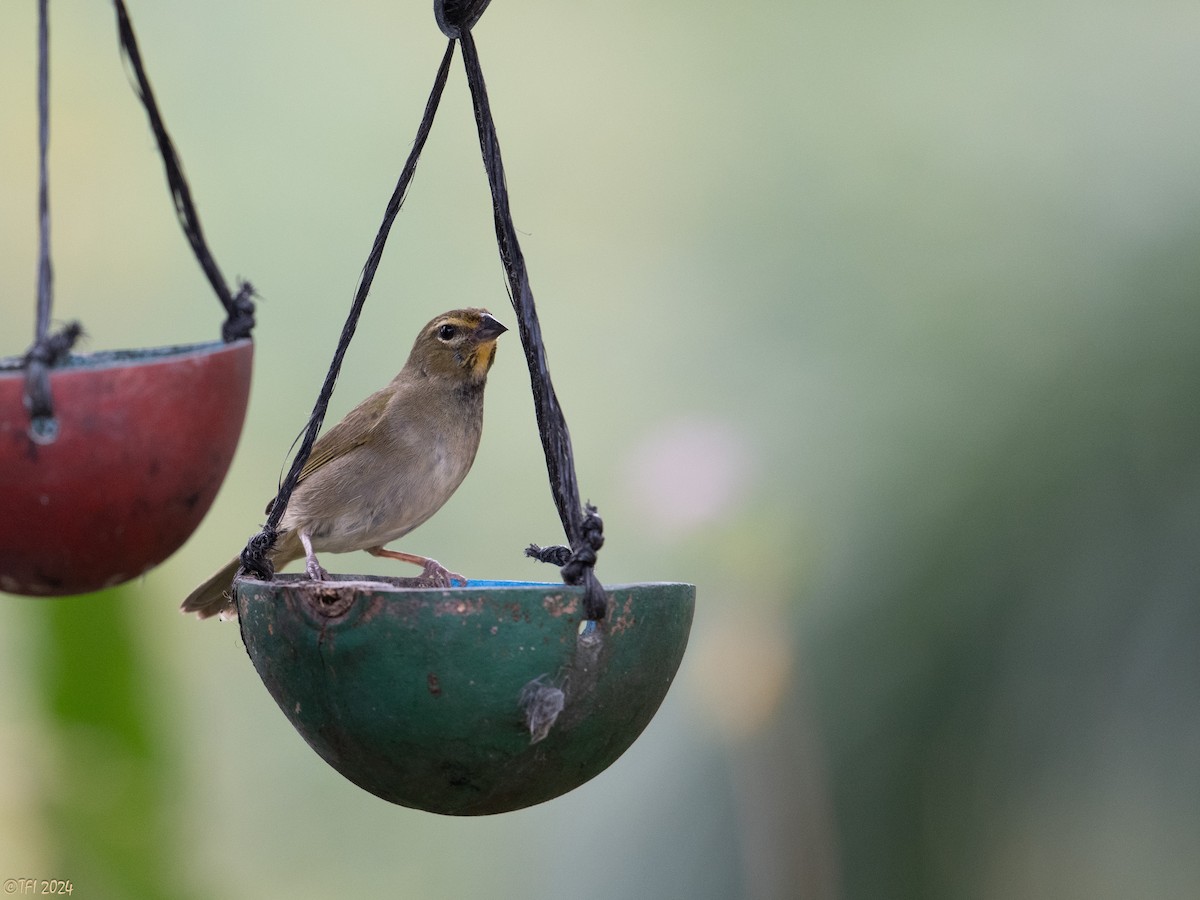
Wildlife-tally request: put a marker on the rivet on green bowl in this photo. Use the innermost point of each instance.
(470, 700)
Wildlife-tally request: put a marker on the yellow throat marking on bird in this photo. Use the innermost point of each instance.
(484, 357)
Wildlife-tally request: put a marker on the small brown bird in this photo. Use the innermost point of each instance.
(391, 463)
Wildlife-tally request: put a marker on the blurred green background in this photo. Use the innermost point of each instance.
(877, 322)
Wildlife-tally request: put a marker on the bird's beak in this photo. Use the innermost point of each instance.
(488, 328)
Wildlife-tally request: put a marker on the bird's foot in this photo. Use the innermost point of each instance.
(433, 573)
(315, 570)
(439, 576)
(311, 567)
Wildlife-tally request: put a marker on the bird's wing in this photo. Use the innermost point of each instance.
(353, 431)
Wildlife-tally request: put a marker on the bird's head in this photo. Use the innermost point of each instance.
(459, 344)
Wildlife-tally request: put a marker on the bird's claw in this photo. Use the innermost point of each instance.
(439, 576)
(315, 570)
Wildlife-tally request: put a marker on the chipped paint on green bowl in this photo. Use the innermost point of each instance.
(415, 694)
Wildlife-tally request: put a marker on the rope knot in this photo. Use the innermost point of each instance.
(47, 351)
(584, 555)
(556, 555)
(256, 559)
(240, 320)
(50, 349)
(578, 564)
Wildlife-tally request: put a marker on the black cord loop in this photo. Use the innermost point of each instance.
(455, 17)
(49, 349)
(583, 527)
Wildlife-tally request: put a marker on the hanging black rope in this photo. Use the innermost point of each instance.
(583, 526)
(48, 348)
(256, 557)
(45, 281)
(239, 308)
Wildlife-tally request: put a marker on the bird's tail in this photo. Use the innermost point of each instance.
(215, 595)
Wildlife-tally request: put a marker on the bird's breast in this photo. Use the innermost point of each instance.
(379, 493)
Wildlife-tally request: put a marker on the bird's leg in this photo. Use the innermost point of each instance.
(311, 566)
(431, 569)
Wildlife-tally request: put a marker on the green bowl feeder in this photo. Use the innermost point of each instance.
(469, 700)
(479, 699)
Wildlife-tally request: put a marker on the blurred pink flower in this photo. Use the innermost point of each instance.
(688, 472)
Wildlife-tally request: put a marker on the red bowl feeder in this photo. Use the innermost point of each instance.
(144, 439)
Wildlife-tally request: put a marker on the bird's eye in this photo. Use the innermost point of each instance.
(446, 332)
